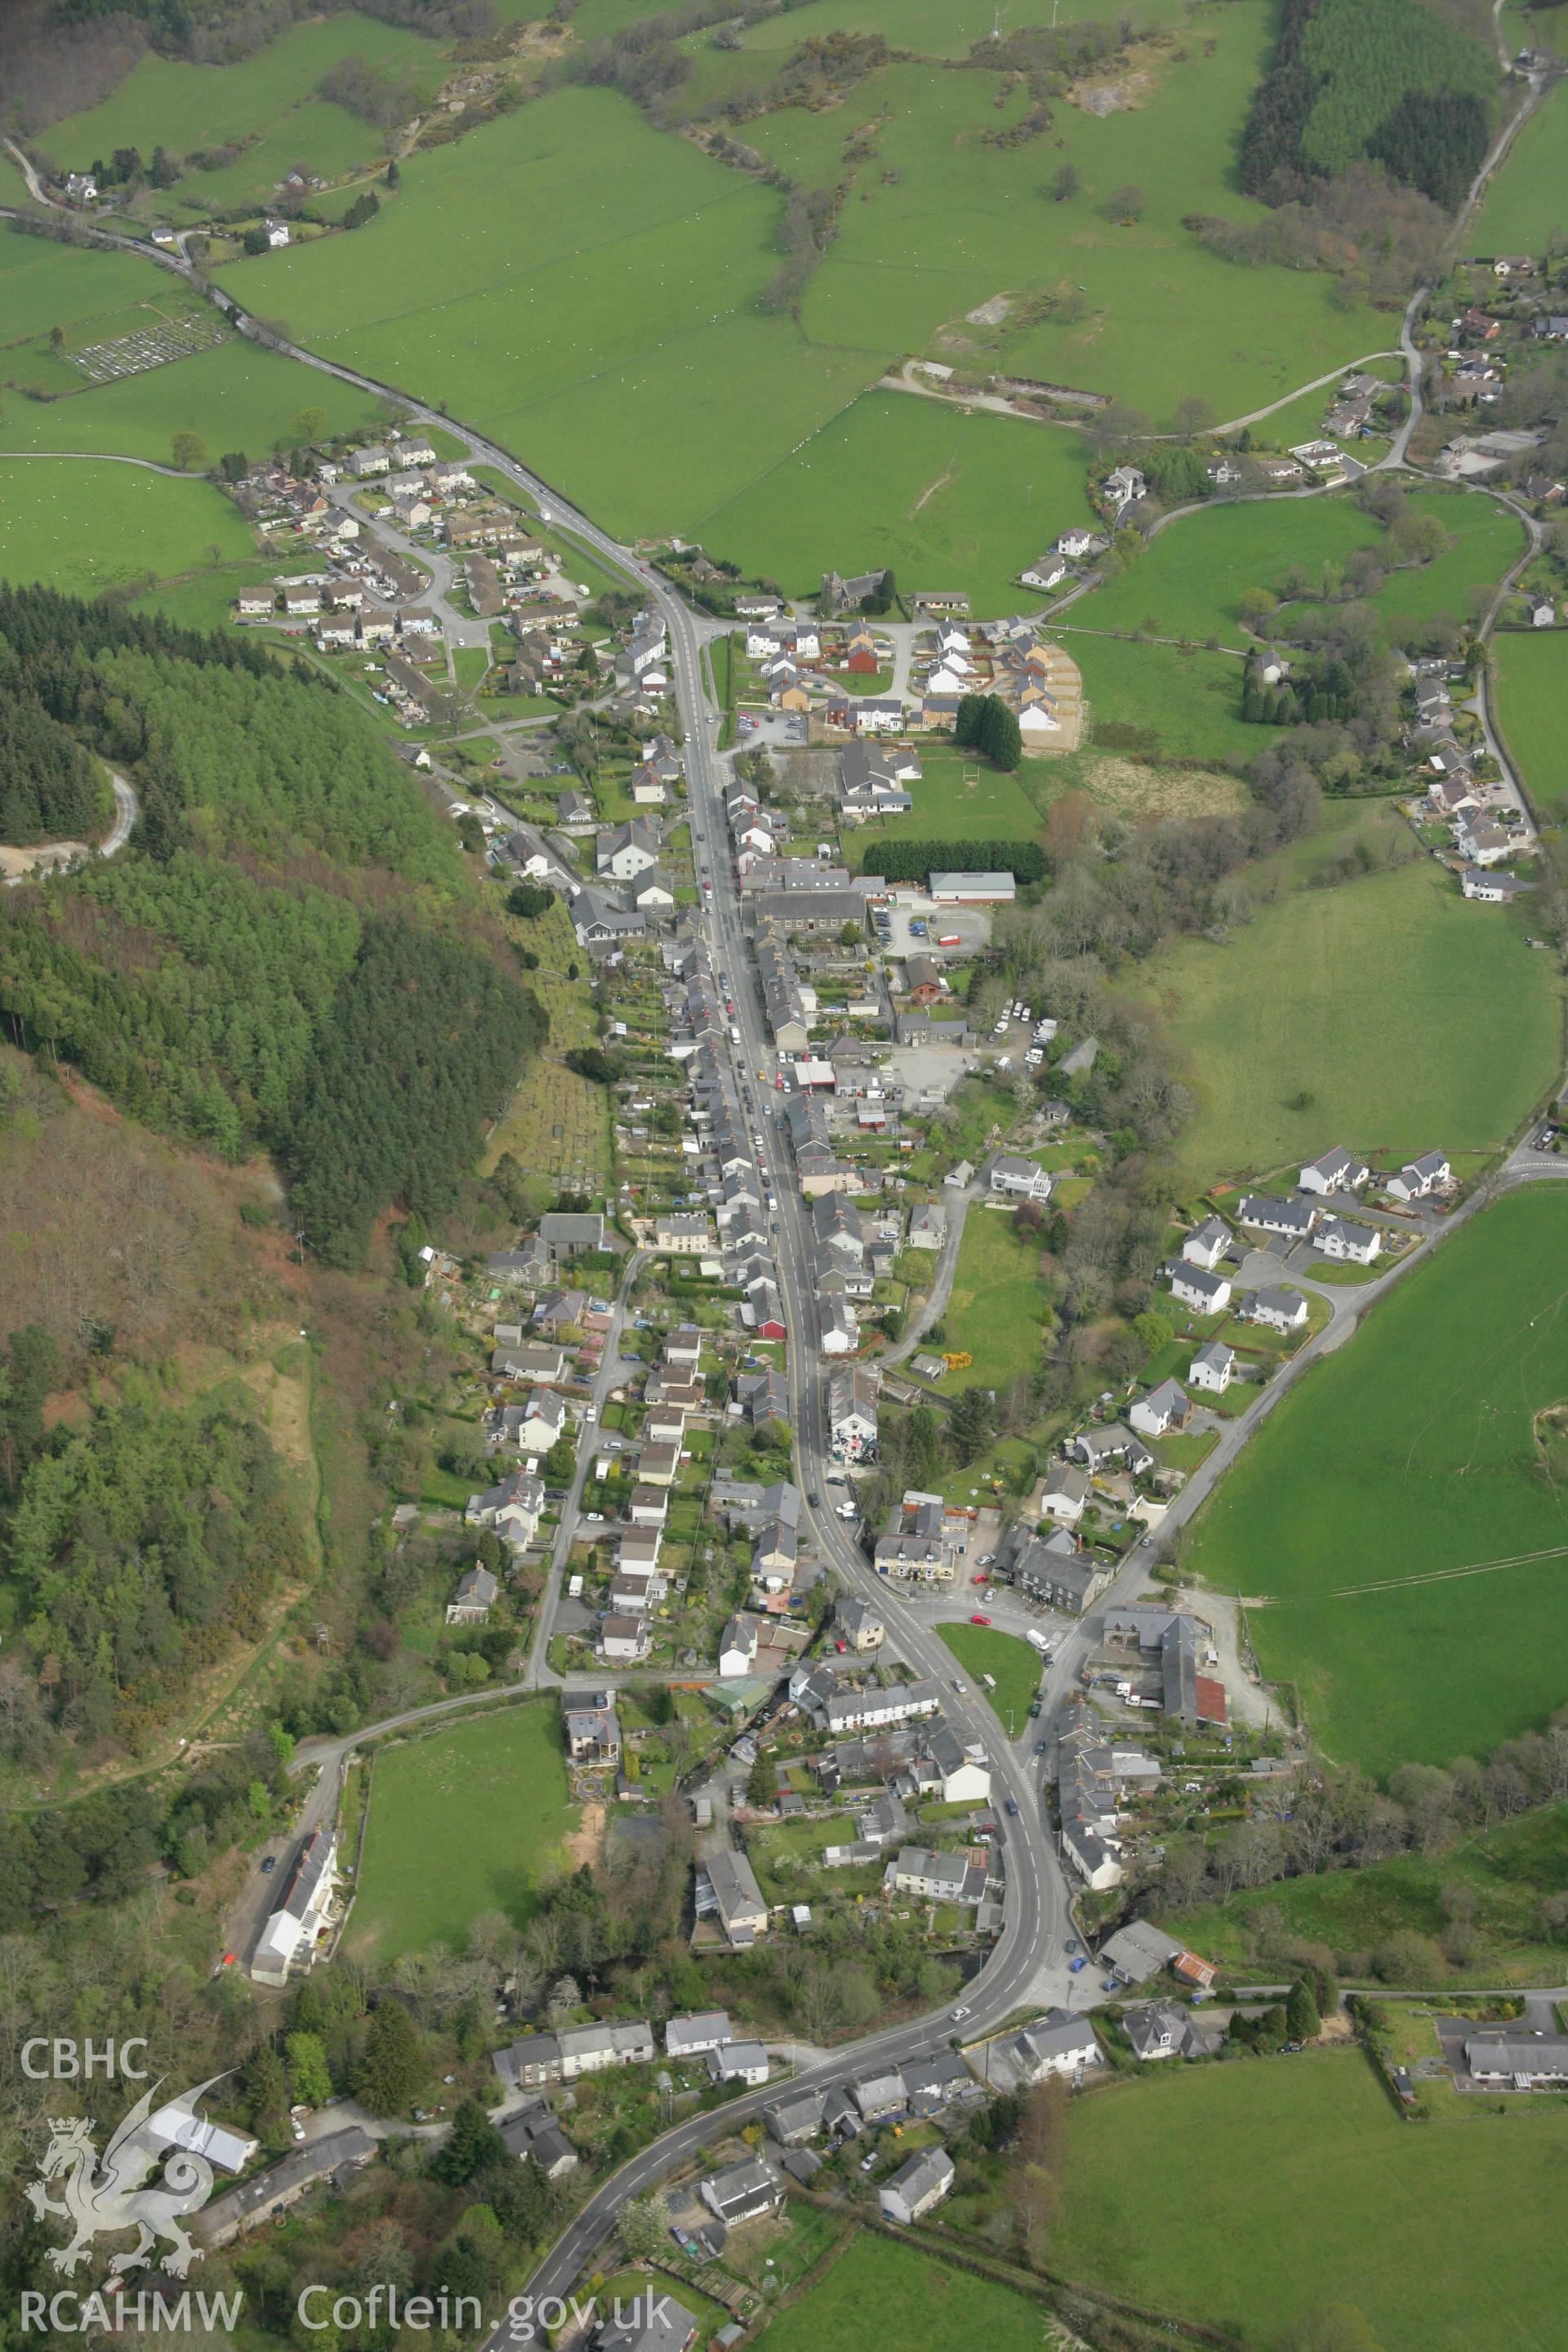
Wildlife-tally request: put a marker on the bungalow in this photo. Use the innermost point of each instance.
(1208, 1243)
(1165, 1407)
(534, 2133)
(1491, 889)
(1514, 264)
(1358, 1244)
(1336, 1171)
(1108, 1442)
(1208, 1294)
(1163, 2031)
(742, 2191)
(1280, 1310)
(1213, 1368)
(1519, 2060)
(1295, 1219)
(1044, 572)
(1017, 1178)
(474, 1598)
(917, 2186)
(739, 2061)
(1419, 1177)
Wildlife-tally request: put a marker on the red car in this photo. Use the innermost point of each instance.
(978, 1619)
(979, 1580)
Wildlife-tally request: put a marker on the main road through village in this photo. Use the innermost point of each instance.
(1027, 1964)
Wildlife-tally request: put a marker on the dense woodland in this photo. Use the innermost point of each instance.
(1384, 81)
(138, 1552)
(261, 970)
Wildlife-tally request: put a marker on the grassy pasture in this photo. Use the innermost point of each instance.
(1409, 1453)
(1187, 584)
(1509, 1870)
(269, 98)
(942, 221)
(1529, 197)
(86, 527)
(234, 395)
(1531, 694)
(1188, 704)
(43, 284)
(947, 499)
(1407, 1021)
(460, 1822)
(1013, 1666)
(1312, 2148)
(994, 1310)
(881, 2296)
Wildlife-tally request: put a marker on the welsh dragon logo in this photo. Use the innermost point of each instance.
(99, 2199)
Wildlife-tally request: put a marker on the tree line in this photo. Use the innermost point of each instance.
(915, 861)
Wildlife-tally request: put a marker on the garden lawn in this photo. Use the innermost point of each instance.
(1012, 1665)
(1320, 2194)
(1532, 698)
(881, 2296)
(1392, 1516)
(943, 499)
(995, 1311)
(85, 526)
(1402, 1021)
(461, 1821)
(1527, 199)
(993, 807)
(267, 99)
(1509, 1869)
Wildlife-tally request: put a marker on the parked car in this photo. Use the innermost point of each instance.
(979, 1620)
(268, 1864)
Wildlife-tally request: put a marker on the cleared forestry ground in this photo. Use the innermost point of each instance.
(1395, 1516)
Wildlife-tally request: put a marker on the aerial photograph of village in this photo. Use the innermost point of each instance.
(784, 1175)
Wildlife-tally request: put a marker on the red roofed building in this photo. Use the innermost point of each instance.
(1211, 1703)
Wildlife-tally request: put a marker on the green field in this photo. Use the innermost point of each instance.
(1300, 2186)
(44, 285)
(268, 100)
(1011, 1663)
(1186, 706)
(996, 1304)
(1408, 1460)
(597, 346)
(946, 499)
(1408, 1022)
(1187, 584)
(1509, 1869)
(993, 807)
(86, 527)
(881, 2296)
(234, 396)
(1527, 199)
(626, 321)
(1530, 696)
(462, 1821)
